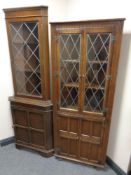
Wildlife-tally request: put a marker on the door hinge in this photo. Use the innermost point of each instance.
(56, 38)
(105, 122)
(113, 38)
(58, 103)
(108, 77)
(56, 74)
(105, 110)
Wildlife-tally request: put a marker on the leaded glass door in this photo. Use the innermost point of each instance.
(70, 62)
(96, 75)
(26, 57)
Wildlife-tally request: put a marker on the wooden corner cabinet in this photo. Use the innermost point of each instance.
(27, 30)
(85, 58)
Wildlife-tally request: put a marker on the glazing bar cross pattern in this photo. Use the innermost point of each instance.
(97, 56)
(69, 65)
(25, 44)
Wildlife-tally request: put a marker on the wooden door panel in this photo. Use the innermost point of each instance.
(84, 150)
(85, 127)
(94, 154)
(73, 125)
(68, 124)
(22, 134)
(73, 148)
(62, 123)
(90, 140)
(90, 152)
(63, 146)
(97, 129)
(92, 128)
(20, 117)
(36, 120)
(68, 129)
(37, 138)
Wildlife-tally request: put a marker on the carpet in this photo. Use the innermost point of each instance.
(23, 162)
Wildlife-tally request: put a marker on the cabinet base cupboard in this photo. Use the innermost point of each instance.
(27, 30)
(85, 58)
(32, 123)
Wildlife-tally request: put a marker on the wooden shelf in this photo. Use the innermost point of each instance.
(76, 85)
(71, 61)
(71, 107)
(97, 62)
(87, 109)
(94, 86)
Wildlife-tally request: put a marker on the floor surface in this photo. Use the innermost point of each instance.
(23, 162)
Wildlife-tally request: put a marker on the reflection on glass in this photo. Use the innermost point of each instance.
(69, 70)
(96, 66)
(25, 46)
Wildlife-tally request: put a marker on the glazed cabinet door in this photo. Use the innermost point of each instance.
(69, 70)
(98, 52)
(24, 39)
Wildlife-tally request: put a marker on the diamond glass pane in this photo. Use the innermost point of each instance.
(69, 70)
(97, 55)
(25, 46)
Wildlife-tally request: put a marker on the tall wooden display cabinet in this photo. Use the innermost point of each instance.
(27, 30)
(85, 58)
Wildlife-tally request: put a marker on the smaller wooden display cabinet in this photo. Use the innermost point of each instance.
(27, 30)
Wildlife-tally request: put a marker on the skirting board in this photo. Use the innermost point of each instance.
(7, 141)
(115, 167)
(129, 173)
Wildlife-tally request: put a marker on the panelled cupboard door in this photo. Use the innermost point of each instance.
(85, 60)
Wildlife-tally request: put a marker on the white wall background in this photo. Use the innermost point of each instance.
(119, 148)
(57, 10)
